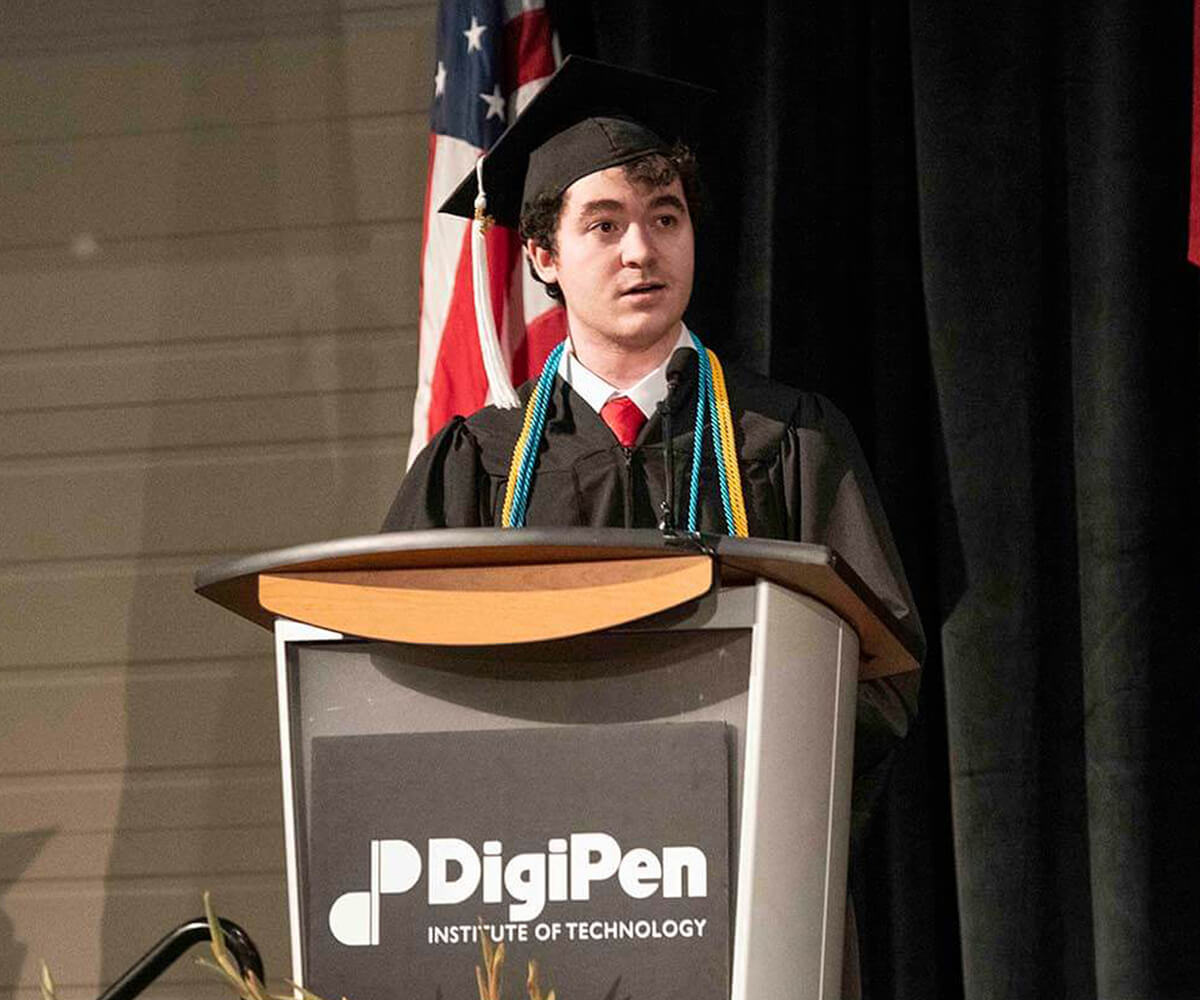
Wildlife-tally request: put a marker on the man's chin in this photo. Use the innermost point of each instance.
(649, 332)
(650, 322)
(632, 331)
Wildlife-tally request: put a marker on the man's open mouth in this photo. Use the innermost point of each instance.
(645, 288)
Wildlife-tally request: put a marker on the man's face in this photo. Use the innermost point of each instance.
(624, 260)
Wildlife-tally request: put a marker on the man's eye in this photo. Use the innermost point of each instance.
(667, 221)
(603, 226)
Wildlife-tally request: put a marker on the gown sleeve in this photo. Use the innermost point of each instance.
(837, 505)
(446, 486)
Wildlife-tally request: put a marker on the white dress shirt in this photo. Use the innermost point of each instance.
(647, 393)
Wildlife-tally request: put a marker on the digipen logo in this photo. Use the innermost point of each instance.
(354, 916)
(566, 872)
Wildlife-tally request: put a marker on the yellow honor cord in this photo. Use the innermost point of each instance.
(737, 502)
(514, 468)
(721, 418)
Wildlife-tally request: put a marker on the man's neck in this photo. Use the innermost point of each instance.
(623, 365)
(646, 393)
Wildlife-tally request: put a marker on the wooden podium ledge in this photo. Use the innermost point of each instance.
(486, 586)
(485, 605)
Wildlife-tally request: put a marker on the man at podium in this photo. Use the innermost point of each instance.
(633, 422)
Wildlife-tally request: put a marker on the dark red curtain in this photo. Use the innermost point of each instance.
(1194, 238)
(966, 223)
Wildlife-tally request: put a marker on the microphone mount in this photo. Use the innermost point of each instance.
(666, 523)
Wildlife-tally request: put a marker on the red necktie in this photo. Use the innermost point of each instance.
(623, 418)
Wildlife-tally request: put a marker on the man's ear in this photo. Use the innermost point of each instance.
(544, 262)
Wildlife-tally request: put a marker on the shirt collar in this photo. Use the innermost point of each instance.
(595, 391)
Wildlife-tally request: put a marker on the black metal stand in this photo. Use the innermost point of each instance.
(159, 958)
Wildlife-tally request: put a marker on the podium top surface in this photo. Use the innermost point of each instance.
(889, 645)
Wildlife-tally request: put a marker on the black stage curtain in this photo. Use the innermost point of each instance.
(966, 223)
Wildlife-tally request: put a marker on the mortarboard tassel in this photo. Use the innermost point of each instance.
(494, 364)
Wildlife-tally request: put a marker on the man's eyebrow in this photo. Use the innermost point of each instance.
(668, 200)
(600, 205)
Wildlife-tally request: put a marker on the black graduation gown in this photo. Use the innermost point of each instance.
(803, 476)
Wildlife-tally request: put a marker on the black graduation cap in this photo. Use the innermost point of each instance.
(589, 116)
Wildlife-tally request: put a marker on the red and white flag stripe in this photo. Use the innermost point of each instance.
(450, 377)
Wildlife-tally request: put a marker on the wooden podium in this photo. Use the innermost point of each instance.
(432, 631)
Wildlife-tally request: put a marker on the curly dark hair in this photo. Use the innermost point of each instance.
(539, 220)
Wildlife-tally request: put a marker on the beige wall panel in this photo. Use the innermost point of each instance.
(209, 252)
(209, 288)
(171, 375)
(110, 612)
(61, 922)
(381, 63)
(188, 19)
(251, 848)
(36, 804)
(389, 59)
(215, 180)
(327, 415)
(196, 714)
(230, 498)
(60, 28)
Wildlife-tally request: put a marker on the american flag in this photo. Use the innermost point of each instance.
(492, 57)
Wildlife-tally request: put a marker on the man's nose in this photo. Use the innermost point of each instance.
(637, 247)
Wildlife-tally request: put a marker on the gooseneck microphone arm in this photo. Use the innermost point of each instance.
(666, 509)
(667, 524)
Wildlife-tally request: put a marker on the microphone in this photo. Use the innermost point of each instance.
(675, 369)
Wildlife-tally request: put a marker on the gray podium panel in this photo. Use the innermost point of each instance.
(777, 668)
(795, 811)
